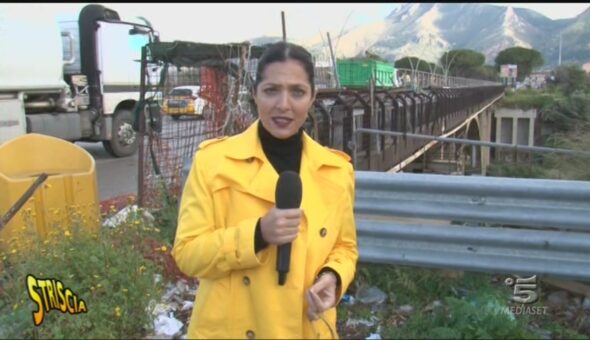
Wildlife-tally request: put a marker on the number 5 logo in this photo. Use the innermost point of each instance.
(524, 289)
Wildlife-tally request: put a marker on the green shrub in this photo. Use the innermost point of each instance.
(414, 285)
(473, 307)
(107, 269)
(167, 220)
(566, 113)
(501, 169)
(481, 316)
(527, 99)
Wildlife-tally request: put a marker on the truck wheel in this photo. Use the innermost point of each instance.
(124, 139)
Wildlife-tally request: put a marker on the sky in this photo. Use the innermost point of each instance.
(234, 22)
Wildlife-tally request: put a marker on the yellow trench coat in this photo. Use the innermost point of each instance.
(230, 185)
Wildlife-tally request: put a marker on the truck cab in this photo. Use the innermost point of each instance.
(77, 78)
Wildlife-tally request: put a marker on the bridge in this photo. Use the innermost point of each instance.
(343, 118)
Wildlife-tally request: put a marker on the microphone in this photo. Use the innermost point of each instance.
(287, 196)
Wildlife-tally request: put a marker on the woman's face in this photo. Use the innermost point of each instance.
(283, 98)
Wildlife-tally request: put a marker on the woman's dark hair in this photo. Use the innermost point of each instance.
(281, 51)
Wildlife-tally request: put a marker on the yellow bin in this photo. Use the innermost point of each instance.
(67, 199)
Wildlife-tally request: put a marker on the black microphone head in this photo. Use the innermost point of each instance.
(289, 190)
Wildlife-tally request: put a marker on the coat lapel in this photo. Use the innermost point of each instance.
(257, 177)
(255, 173)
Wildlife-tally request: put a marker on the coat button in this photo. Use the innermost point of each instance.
(323, 232)
(250, 334)
(246, 281)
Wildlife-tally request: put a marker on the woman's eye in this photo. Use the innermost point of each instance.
(298, 92)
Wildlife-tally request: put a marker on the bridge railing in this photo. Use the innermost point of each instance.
(432, 111)
(499, 225)
(408, 79)
(419, 80)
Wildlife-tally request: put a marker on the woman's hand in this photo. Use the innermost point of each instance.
(280, 226)
(322, 295)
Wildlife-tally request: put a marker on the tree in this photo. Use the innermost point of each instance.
(414, 63)
(571, 78)
(526, 60)
(484, 72)
(461, 62)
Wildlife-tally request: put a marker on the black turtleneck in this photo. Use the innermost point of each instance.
(283, 154)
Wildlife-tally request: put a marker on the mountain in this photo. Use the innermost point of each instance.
(426, 30)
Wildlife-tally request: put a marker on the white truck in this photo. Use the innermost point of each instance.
(73, 79)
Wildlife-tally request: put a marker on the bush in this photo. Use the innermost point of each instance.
(565, 113)
(107, 269)
(564, 166)
(420, 285)
(500, 169)
(473, 317)
(571, 78)
(528, 99)
(473, 306)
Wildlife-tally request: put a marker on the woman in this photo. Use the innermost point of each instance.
(229, 227)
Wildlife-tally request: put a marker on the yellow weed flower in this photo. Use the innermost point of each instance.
(125, 290)
(46, 242)
(164, 249)
(67, 233)
(15, 306)
(13, 251)
(141, 269)
(118, 311)
(98, 285)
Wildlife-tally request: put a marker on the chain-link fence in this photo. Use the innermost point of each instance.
(191, 92)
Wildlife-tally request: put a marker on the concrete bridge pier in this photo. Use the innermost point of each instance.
(515, 126)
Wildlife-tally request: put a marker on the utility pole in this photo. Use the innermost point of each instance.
(559, 60)
(284, 28)
(334, 67)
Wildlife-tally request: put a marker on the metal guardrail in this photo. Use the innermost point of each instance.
(490, 224)
(501, 225)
